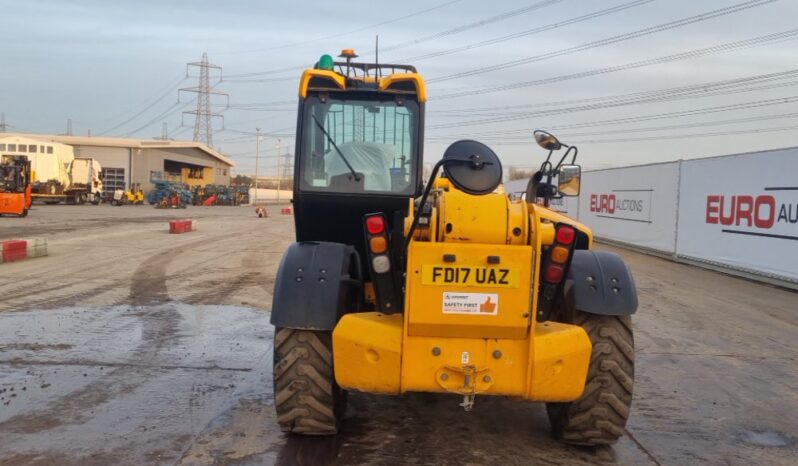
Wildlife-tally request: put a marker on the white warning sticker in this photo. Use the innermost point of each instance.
(470, 303)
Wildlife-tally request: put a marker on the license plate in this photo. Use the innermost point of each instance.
(492, 277)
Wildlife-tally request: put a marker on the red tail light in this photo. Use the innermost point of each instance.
(554, 273)
(565, 234)
(375, 224)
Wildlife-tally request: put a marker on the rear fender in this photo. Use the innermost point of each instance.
(312, 286)
(602, 283)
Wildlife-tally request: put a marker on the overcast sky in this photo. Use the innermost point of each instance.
(114, 68)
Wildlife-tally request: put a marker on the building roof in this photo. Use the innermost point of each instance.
(124, 142)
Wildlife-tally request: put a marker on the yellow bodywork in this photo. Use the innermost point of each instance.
(469, 324)
(433, 287)
(383, 83)
(373, 354)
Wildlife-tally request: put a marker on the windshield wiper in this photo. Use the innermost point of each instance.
(329, 138)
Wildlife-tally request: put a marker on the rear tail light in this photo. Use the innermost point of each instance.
(381, 264)
(554, 273)
(565, 234)
(375, 224)
(376, 235)
(554, 268)
(378, 245)
(378, 252)
(559, 254)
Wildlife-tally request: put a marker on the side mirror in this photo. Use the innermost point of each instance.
(472, 167)
(569, 180)
(547, 140)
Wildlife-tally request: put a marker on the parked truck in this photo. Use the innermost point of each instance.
(79, 183)
(56, 174)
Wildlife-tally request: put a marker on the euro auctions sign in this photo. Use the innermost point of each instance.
(635, 205)
(623, 204)
(773, 213)
(742, 211)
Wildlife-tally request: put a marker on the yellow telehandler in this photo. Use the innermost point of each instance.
(451, 286)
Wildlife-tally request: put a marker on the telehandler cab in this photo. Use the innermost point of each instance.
(454, 287)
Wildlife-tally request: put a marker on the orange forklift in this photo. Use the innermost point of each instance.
(15, 195)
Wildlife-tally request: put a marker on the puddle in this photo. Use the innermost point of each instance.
(127, 381)
(764, 438)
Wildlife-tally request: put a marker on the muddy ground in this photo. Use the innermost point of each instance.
(127, 345)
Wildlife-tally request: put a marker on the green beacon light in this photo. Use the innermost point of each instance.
(326, 63)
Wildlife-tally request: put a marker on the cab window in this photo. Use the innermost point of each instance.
(375, 139)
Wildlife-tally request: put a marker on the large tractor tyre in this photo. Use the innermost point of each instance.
(306, 397)
(599, 416)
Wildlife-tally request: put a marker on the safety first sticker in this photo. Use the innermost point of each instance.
(470, 303)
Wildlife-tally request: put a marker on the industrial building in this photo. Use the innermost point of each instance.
(128, 162)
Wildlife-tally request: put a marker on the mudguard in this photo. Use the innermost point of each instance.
(602, 283)
(312, 285)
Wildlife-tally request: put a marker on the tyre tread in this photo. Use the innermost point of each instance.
(306, 397)
(599, 416)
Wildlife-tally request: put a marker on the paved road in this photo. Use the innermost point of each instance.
(131, 346)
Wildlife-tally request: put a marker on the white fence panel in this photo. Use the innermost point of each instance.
(635, 205)
(742, 211)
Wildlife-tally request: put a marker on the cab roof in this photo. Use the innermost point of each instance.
(349, 76)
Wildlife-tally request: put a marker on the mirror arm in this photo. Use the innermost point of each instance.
(565, 155)
(576, 151)
(549, 156)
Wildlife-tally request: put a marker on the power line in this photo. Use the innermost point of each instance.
(657, 116)
(179, 130)
(340, 34)
(684, 113)
(690, 135)
(695, 91)
(610, 40)
(692, 90)
(268, 80)
(753, 42)
(702, 124)
(664, 137)
(168, 112)
(168, 90)
(527, 133)
(437, 35)
(528, 32)
(473, 25)
(257, 108)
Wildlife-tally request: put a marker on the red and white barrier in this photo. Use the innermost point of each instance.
(19, 249)
(181, 226)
